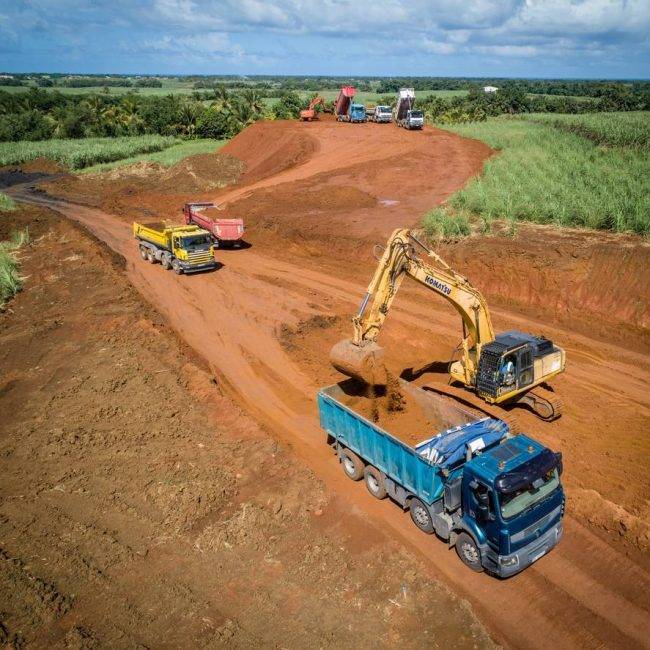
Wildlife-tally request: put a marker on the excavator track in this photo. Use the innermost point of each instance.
(475, 403)
(543, 402)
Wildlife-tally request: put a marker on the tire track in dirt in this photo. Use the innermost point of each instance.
(582, 593)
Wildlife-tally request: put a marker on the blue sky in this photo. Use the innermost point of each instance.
(534, 38)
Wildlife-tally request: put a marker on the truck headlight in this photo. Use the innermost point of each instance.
(509, 561)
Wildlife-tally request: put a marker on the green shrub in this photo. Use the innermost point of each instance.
(442, 223)
(6, 203)
(10, 281)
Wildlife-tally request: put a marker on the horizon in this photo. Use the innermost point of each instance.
(525, 39)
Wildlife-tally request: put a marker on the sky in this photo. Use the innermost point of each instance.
(503, 38)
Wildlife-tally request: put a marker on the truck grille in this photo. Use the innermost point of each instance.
(200, 257)
(538, 525)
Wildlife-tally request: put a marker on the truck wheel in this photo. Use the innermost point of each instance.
(177, 267)
(352, 465)
(166, 263)
(420, 516)
(144, 253)
(468, 552)
(375, 482)
(150, 256)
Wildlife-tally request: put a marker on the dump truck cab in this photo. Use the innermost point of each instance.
(357, 113)
(512, 505)
(414, 119)
(383, 114)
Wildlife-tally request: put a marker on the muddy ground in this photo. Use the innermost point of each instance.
(140, 507)
(316, 197)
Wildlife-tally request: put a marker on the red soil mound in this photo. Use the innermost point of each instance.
(270, 147)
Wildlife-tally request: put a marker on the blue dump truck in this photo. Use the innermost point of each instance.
(496, 497)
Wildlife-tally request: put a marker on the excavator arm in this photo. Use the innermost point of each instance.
(398, 261)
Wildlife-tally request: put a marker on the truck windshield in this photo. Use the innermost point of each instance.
(384, 109)
(416, 113)
(515, 503)
(198, 241)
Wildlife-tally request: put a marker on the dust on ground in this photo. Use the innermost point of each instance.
(139, 506)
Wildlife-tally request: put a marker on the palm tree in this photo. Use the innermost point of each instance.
(254, 99)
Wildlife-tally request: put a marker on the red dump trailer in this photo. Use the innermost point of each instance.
(225, 232)
(343, 100)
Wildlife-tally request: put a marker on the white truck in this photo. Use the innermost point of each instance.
(405, 115)
(381, 114)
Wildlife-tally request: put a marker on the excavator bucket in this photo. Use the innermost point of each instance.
(360, 362)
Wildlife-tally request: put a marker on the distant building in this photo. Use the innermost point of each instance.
(490, 89)
(6, 76)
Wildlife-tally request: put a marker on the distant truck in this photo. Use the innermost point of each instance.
(345, 109)
(381, 115)
(496, 497)
(224, 232)
(185, 249)
(405, 115)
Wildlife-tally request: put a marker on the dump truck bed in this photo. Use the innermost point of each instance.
(160, 234)
(416, 466)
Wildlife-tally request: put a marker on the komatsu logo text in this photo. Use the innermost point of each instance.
(443, 288)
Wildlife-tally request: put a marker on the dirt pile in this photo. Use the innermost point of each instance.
(268, 148)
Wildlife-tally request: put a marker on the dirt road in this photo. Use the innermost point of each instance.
(315, 197)
(588, 591)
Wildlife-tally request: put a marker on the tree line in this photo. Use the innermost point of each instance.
(40, 115)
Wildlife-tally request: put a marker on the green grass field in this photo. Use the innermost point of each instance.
(169, 86)
(631, 129)
(550, 175)
(77, 154)
(6, 203)
(167, 157)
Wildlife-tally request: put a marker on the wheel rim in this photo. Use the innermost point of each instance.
(420, 515)
(349, 465)
(373, 483)
(469, 552)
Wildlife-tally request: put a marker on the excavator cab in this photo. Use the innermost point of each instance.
(513, 361)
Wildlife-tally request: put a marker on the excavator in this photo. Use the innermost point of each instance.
(310, 114)
(499, 369)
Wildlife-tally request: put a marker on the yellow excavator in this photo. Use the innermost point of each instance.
(501, 369)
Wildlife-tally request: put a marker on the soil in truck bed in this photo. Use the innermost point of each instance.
(408, 413)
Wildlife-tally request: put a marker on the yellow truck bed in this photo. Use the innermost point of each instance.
(161, 235)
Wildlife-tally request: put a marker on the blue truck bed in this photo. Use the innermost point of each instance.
(423, 469)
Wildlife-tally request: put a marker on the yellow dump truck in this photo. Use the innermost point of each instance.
(185, 249)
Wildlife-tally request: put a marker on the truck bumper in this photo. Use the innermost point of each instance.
(188, 268)
(508, 565)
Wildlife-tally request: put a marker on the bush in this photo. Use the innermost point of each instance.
(441, 223)
(6, 203)
(288, 107)
(211, 124)
(10, 281)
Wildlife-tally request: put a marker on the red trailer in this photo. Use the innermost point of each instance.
(343, 100)
(225, 232)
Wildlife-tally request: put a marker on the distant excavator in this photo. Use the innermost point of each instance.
(310, 114)
(501, 369)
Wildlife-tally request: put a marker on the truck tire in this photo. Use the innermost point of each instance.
(375, 482)
(421, 516)
(144, 253)
(176, 266)
(166, 262)
(150, 256)
(469, 552)
(352, 465)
